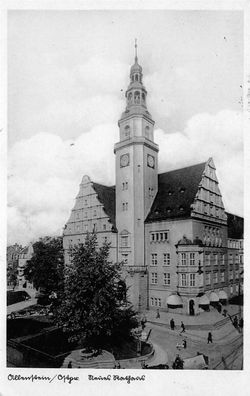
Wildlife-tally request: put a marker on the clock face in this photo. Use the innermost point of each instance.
(151, 161)
(124, 160)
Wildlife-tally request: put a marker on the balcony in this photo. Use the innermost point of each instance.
(190, 290)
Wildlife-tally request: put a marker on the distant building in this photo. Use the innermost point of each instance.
(13, 252)
(170, 230)
(24, 256)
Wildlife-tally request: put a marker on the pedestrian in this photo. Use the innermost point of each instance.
(142, 324)
(172, 324)
(184, 343)
(70, 364)
(209, 338)
(157, 314)
(118, 365)
(183, 328)
(241, 324)
(235, 322)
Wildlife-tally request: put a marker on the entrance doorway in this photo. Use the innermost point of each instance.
(191, 307)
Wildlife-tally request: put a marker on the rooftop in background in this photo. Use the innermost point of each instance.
(176, 193)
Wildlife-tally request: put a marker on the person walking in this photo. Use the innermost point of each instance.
(240, 324)
(70, 365)
(183, 328)
(209, 338)
(172, 324)
(235, 322)
(157, 314)
(184, 343)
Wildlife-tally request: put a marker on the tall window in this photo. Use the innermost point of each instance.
(192, 279)
(230, 259)
(155, 302)
(192, 259)
(223, 259)
(207, 259)
(231, 275)
(154, 259)
(166, 258)
(124, 206)
(183, 259)
(124, 240)
(154, 278)
(183, 280)
(215, 277)
(125, 185)
(208, 278)
(216, 259)
(222, 276)
(159, 236)
(127, 131)
(166, 278)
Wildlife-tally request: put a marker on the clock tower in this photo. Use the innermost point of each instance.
(136, 183)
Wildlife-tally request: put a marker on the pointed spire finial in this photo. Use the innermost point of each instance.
(136, 58)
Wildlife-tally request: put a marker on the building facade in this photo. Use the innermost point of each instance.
(169, 230)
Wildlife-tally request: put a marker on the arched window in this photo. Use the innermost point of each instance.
(133, 77)
(136, 77)
(137, 97)
(130, 97)
(143, 96)
(147, 130)
(127, 131)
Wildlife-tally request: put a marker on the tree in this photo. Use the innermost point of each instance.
(93, 308)
(45, 268)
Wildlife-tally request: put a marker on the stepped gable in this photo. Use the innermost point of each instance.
(235, 226)
(106, 196)
(176, 192)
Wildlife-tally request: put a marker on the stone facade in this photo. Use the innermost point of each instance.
(169, 230)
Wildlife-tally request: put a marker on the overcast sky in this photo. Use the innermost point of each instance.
(67, 75)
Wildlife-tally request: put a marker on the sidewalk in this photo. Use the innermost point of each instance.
(205, 320)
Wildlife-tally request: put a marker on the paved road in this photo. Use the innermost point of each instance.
(230, 348)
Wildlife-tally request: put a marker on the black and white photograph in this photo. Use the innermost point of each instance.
(125, 191)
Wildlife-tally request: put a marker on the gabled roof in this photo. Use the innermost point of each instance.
(106, 196)
(176, 192)
(235, 226)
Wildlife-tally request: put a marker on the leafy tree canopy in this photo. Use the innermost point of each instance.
(94, 306)
(45, 268)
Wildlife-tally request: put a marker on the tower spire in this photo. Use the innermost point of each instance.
(136, 58)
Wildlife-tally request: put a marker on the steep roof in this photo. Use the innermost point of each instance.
(106, 196)
(176, 192)
(235, 226)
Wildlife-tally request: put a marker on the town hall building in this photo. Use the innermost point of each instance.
(170, 231)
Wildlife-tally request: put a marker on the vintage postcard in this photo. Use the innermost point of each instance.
(124, 249)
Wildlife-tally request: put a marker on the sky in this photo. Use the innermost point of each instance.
(67, 75)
